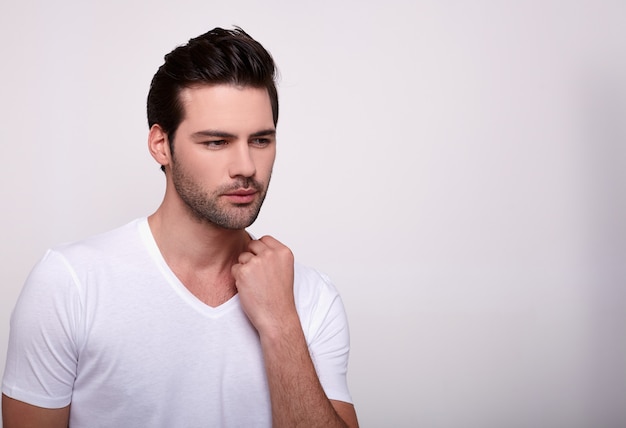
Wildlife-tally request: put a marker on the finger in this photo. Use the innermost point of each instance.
(257, 247)
(266, 242)
(237, 271)
(274, 245)
(245, 257)
(271, 242)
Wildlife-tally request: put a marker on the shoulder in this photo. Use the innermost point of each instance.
(317, 298)
(308, 280)
(103, 241)
(71, 263)
(116, 243)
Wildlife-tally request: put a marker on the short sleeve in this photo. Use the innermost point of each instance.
(328, 336)
(43, 353)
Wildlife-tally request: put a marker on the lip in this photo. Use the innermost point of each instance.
(241, 196)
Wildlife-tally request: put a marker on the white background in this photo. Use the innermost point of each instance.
(458, 168)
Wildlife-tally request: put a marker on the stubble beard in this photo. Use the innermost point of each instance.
(206, 206)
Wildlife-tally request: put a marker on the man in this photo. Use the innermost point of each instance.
(182, 319)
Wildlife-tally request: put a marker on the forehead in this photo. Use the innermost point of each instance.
(226, 107)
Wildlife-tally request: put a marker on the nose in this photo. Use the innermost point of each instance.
(242, 164)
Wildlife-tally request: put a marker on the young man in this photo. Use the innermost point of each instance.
(182, 319)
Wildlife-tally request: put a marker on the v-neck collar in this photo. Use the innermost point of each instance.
(171, 278)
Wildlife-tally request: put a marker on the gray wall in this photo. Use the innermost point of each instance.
(458, 168)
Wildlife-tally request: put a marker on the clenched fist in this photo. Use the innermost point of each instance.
(264, 280)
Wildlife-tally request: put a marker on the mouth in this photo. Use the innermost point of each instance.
(241, 196)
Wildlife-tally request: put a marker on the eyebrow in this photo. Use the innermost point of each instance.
(264, 133)
(222, 134)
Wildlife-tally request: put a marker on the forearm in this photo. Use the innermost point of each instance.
(296, 393)
(19, 414)
(264, 276)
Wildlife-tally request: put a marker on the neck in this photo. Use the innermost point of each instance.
(199, 253)
(194, 242)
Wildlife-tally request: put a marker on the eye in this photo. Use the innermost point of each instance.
(260, 142)
(215, 143)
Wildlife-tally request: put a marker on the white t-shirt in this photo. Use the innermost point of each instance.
(105, 325)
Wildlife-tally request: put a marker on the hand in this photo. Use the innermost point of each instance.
(264, 280)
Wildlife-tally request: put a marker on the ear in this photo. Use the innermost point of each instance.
(158, 144)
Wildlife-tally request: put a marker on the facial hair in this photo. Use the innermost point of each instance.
(208, 206)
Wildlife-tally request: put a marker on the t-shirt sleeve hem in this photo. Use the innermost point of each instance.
(34, 399)
(339, 396)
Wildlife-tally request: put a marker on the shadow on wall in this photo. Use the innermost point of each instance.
(604, 118)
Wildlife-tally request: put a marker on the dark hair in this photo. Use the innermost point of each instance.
(217, 57)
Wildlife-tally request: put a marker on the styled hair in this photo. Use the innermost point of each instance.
(217, 57)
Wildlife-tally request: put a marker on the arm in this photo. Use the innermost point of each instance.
(17, 414)
(41, 356)
(296, 393)
(264, 277)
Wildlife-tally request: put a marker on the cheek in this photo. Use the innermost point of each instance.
(207, 171)
(265, 162)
